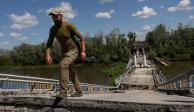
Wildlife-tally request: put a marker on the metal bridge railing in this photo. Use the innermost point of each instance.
(15, 82)
(158, 77)
(183, 82)
(125, 76)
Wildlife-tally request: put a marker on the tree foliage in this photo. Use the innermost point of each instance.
(109, 48)
(172, 45)
(115, 46)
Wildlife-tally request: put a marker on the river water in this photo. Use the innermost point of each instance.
(176, 68)
(86, 73)
(90, 73)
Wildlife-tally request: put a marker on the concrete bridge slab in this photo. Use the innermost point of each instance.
(130, 101)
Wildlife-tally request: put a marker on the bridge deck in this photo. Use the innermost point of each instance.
(140, 77)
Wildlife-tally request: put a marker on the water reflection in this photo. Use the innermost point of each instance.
(86, 73)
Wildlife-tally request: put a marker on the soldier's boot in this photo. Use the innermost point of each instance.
(77, 94)
(62, 95)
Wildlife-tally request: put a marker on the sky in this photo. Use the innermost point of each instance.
(27, 21)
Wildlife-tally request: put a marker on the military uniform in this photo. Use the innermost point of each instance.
(65, 35)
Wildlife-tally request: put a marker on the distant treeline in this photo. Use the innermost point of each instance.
(173, 45)
(113, 47)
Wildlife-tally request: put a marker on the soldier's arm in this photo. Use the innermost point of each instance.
(49, 42)
(82, 41)
(79, 35)
(48, 47)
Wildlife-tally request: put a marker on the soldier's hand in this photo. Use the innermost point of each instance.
(48, 59)
(83, 56)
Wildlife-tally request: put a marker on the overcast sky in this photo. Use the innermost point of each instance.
(27, 21)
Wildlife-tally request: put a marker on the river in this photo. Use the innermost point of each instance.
(86, 73)
(90, 73)
(177, 67)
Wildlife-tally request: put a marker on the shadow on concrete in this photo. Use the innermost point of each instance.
(56, 102)
(180, 101)
(53, 107)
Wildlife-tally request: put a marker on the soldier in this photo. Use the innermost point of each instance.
(65, 33)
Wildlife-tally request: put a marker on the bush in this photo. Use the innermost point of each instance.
(5, 60)
(114, 71)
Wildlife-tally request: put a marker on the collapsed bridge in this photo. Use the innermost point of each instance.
(140, 88)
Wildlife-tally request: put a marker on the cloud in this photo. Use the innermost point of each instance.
(66, 9)
(145, 13)
(3, 44)
(147, 28)
(143, 32)
(1, 34)
(25, 21)
(191, 17)
(140, 0)
(105, 15)
(182, 5)
(106, 1)
(18, 36)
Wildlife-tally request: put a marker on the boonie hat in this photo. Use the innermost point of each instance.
(55, 12)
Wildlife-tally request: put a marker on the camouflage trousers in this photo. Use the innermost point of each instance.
(67, 72)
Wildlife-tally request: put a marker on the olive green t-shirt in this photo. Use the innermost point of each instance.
(65, 35)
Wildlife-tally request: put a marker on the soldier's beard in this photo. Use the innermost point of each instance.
(58, 22)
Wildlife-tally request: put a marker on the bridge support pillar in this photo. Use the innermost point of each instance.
(144, 57)
(191, 81)
(135, 60)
